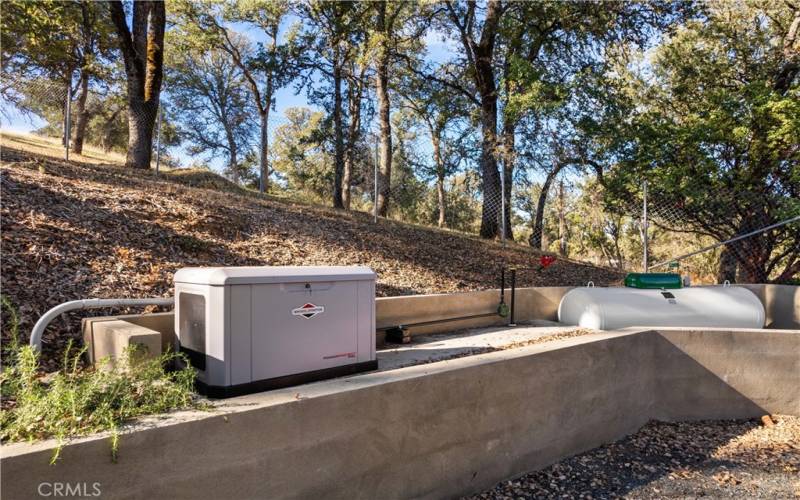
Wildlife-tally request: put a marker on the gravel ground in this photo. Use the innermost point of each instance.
(706, 459)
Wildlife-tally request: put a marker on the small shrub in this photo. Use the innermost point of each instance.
(78, 401)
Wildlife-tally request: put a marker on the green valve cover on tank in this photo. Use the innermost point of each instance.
(653, 280)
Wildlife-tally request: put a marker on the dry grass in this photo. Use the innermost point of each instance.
(49, 146)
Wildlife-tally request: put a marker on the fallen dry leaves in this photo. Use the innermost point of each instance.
(82, 230)
(714, 459)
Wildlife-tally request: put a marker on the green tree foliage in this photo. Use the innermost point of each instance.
(213, 97)
(48, 38)
(715, 127)
(266, 69)
(55, 41)
(302, 154)
(445, 121)
(699, 99)
(331, 38)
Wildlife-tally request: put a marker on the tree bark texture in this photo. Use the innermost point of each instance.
(384, 114)
(142, 49)
(538, 223)
(354, 95)
(263, 151)
(338, 161)
(440, 173)
(727, 266)
(82, 114)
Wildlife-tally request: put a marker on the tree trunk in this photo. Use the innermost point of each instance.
(263, 168)
(233, 155)
(263, 162)
(509, 144)
(140, 135)
(538, 225)
(143, 52)
(384, 114)
(490, 215)
(727, 266)
(440, 172)
(234, 165)
(338, 162)
(562, 221)
(617, 250)
(483, 74)
(752, 255)
(88, 50)
(353, 129)
(82, 114)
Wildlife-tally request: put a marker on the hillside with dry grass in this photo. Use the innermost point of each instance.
(84, 228)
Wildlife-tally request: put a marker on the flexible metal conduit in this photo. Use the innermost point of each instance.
(38, 328)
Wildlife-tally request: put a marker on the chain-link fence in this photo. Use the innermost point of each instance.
(732, 235)
(728, 235)
(739, 236)
(94, 123)
(90, 122)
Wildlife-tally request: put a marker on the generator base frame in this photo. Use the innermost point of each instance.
(222, 392)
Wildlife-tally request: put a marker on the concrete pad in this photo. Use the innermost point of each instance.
(432, 348)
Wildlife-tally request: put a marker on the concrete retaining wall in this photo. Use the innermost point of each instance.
(782, 304)
(433, 431)
(531, 303)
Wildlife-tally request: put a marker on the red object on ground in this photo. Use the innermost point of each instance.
(546, 260)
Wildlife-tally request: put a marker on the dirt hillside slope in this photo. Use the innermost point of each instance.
(78, 230)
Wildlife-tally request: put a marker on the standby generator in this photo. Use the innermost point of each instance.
(250, 329)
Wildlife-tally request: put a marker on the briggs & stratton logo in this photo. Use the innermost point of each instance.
(308, 310)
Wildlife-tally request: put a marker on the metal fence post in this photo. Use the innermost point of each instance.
(375, 196)
(158, 138)
(644, 228)
(262, 159)
(502, 206)
(68, 122)
(511, 321)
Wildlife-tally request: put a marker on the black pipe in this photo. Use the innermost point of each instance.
(513, 296)
(502, 284)
(437, 321)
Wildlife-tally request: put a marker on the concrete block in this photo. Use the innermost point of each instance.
(163, 323)
(109, 339)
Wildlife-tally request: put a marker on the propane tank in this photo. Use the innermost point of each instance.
(704, 306)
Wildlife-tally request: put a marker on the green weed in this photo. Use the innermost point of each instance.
(77, 401)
